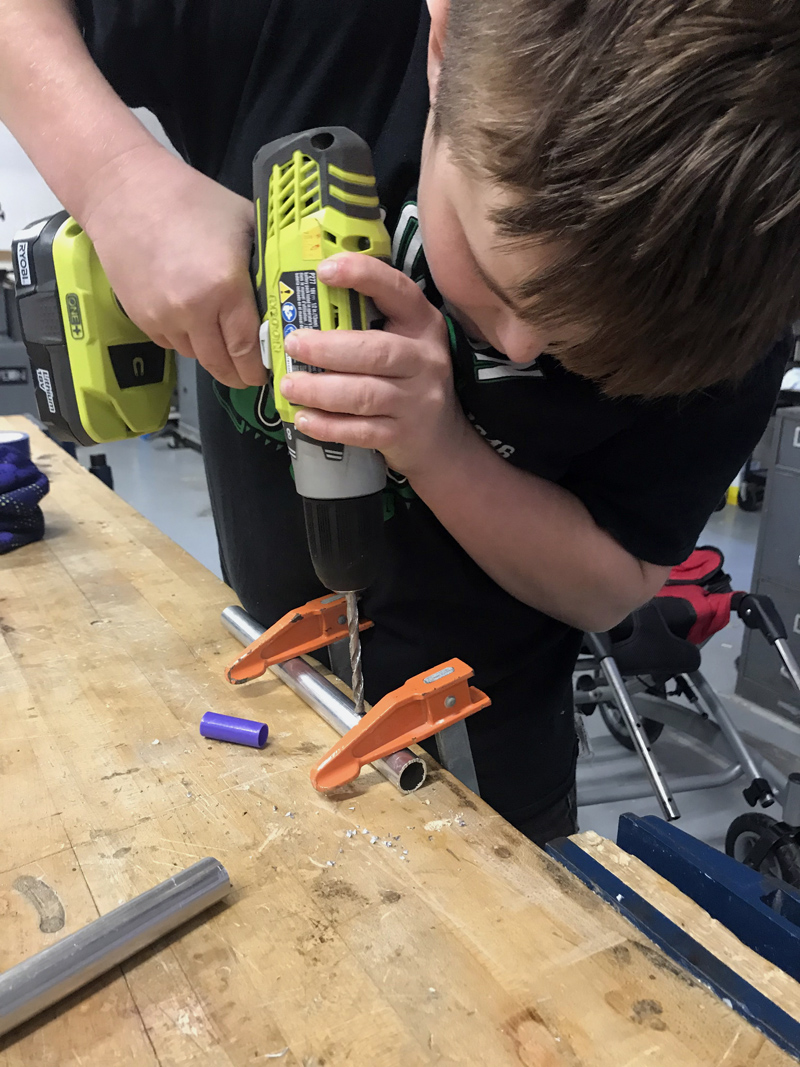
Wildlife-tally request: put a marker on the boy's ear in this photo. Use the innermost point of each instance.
(439, 10)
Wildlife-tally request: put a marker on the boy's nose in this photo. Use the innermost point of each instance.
(520, 342)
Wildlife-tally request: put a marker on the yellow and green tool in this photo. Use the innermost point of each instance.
(99, 378)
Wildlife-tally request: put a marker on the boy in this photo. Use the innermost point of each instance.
(607, 215)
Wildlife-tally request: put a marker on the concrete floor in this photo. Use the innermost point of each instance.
(167, 485)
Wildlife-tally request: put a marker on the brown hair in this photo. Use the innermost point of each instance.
(658, 141)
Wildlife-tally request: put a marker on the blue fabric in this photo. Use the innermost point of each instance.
(22, 486)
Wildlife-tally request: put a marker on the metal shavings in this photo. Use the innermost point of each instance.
(405, 851)
(365, 831)
(389, 844)
(276, 1055)
(351, 809)
(438, 824)
(156, 742)
(289, 815)
(460, 821)
(331, 863)
(274, 807)
(428, 803)
(372, 840)
(397, 838)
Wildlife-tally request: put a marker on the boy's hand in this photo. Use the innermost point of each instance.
(389, 389)
(175, 246)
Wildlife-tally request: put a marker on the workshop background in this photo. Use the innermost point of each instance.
(162, 478)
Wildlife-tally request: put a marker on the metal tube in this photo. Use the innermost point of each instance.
(75, 960)
(589, 794)
(714, 707)
(789, 662)
(791, 801)
(403, 769)
(639, 738)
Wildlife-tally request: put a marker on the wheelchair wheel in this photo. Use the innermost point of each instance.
(743, 835)
(613, 719)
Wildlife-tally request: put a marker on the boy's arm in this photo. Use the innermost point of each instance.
(175, 244)
(534, 538)
(394, 392)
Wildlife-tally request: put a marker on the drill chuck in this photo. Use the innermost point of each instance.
(346, 540)
(341, 488)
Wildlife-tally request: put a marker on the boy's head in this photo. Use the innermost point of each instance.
(617, 182)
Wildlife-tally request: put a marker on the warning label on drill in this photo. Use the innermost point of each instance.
(299, 308)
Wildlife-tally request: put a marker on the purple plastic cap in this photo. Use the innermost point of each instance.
(229, 728)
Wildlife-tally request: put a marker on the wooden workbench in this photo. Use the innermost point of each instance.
(460, 944)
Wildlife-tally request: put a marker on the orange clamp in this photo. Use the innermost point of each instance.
(317, 624)
(421, 707)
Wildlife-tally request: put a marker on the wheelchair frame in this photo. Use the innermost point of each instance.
(706, 720)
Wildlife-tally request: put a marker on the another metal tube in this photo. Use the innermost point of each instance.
(714, 707)
(789, 662)
(589, 794)
(79, 958)
(639, 738)
(403, 769)
(791, 801)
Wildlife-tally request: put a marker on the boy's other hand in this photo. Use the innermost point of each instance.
(175, 246)
(389, 389)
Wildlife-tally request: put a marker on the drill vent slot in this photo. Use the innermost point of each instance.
(294, 193)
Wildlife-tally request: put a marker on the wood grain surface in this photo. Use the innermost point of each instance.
(770, 980)
(438, 936)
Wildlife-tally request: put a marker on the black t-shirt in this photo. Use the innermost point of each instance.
(225, 79)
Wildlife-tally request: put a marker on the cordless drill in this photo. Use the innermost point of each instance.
(315, 195)
(99, 378)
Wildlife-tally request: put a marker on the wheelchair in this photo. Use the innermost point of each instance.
(646, 674)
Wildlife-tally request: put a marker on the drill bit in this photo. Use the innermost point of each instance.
(355, 652)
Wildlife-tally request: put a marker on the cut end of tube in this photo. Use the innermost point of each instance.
(412, 776)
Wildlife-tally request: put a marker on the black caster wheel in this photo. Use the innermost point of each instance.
(748, 830)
